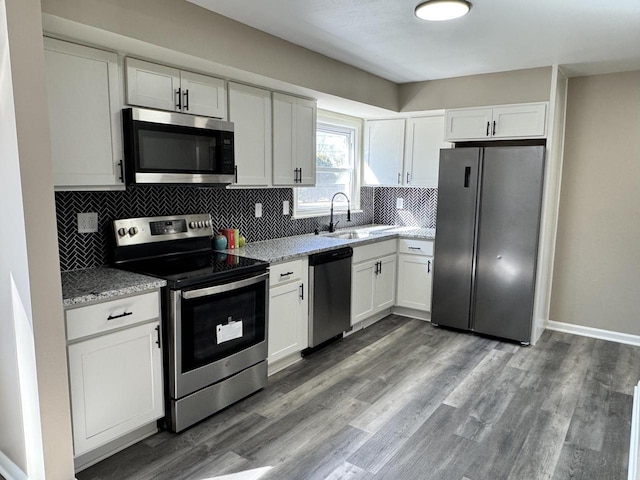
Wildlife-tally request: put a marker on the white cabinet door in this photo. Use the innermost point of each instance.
(84, 115)
(385, 283)
(203, 95)
(305, 121)
(165, 88)
(468, 123)
(250, 112)
(116, 385)
(517, 121)
(362, 291)
(151, 85)
(422, 154)
(285, 321)
(414, 281)
(384, 151)
(294, 140)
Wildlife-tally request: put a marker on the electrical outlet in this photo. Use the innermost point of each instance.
(87, 222)
(399, 203)
(258, 210)
(285, 207)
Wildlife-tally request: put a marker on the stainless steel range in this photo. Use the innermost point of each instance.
(214, 313)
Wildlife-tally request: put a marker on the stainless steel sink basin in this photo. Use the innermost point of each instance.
(351, 235)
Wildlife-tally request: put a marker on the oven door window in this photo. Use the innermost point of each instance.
(220, 325)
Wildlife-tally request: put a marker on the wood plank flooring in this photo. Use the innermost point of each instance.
(406, 400)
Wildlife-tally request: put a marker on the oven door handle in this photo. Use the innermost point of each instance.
(208, 291)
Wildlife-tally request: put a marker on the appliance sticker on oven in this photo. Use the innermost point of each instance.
(230, 331)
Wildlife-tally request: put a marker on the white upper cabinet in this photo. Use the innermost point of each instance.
(294, 140)
(165, 88)
(84, 116)
(250, 112)
(404, 151)
(384, 151)
(422, 152)
(501, 122)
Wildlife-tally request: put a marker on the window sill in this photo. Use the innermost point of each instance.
(301, 215)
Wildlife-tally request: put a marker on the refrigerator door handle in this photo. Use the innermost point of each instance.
(467, 176)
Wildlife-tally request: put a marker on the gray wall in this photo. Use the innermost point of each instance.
(596, 279)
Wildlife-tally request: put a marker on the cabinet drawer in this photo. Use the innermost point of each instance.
(416, 247)
(106, 316)
(286, 272)
(374, 250)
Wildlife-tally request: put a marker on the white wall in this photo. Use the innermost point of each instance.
(596, 279)
(13, 264)
(31, 255)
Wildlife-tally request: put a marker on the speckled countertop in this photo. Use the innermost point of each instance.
(93, 284)
(286, 248)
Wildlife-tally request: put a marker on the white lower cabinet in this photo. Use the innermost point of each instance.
(415, 267)
(373, 279)
(288, 309)
(115, 370)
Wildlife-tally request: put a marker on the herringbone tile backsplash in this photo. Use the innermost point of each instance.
(228, 209)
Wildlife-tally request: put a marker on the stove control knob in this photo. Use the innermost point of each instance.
(200, 224)
(122, 232)
(133, 231)
(192, 224)
(207, 223)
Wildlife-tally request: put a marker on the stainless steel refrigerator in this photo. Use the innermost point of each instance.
(486, 243)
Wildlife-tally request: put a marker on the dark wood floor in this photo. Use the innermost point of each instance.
(406, 400)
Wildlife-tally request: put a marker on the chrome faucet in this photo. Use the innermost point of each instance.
(332, 226)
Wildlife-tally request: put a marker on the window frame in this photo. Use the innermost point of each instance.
(339, 123)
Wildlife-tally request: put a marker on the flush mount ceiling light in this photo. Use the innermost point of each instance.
(438, 10)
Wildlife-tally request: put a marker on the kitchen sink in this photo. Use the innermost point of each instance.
(351, 235)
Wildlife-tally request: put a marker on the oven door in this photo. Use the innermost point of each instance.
(216, 332)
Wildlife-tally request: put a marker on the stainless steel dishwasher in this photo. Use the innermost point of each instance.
(330, 294)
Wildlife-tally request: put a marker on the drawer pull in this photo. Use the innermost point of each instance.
(286, 274)
(415, 248)
(125, 314)
(302, 291)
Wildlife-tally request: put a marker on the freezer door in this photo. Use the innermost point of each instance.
(508, 227)
(454, 243)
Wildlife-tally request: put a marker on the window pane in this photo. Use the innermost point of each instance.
(333, 149)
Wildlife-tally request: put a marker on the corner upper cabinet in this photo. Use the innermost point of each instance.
(384, 152)
(84, 116)
(294, 141)
(500, 122)
(165, 88)
(250, 112)
(422, 151)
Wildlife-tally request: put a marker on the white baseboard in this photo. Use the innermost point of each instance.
(412, 313)
(283, 363)
(10, 470)
(610, 335)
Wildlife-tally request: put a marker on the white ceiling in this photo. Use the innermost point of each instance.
(385, 38)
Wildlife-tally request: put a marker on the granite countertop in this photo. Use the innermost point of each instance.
(280, 249)
(102, 283)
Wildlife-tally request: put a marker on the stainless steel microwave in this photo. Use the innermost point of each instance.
(167, 147)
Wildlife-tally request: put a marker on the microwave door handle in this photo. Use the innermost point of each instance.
(208, 291)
